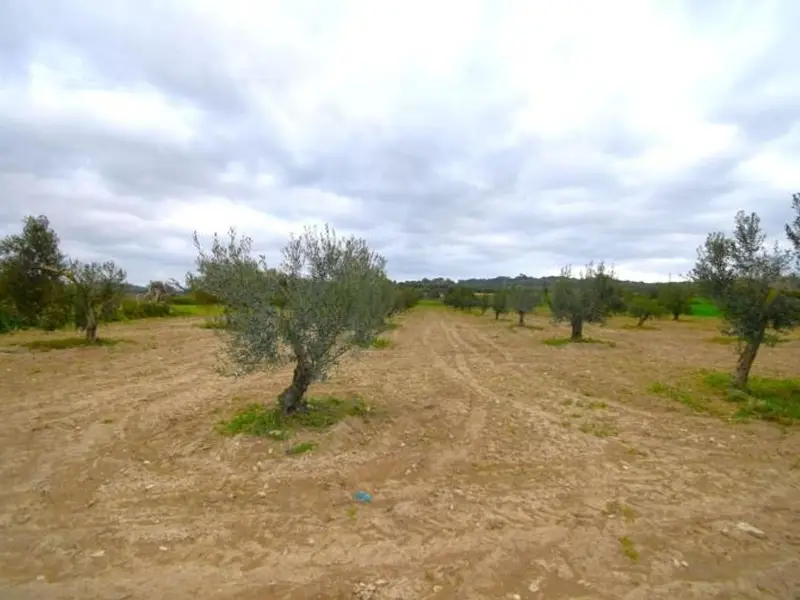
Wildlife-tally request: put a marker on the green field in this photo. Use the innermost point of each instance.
(703, 308)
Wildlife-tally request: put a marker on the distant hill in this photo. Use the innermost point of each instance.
(501, 281)
(131, 288)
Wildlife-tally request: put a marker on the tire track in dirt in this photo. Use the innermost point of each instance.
(476, 419)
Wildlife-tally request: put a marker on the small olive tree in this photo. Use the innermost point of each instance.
(589, 298)
(676, 298)
(522, 300)
(748, 281)
(499, 303)
(644, 308)
(334, 297)
(97, 289)
(484, 302)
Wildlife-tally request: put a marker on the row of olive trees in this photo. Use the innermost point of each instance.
(41, 287)
(755, 286)
(589, 297)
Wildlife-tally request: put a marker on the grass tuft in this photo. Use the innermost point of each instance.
(628, 548)
(301, 448)
(66, 343)
(598, 429)
(269, 421)
(381, 342)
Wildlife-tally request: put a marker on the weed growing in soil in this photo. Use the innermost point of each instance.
(300, 449)
(628, 548)
(269, 421)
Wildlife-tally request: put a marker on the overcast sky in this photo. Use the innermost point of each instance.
(461, 138)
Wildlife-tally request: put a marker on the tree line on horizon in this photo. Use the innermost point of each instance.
(331, 294)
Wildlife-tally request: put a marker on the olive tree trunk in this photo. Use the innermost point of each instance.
(496, 315)
(642, 319)
(577, 329)
(521, 321)
(292, 399)
(744, 364)
(91, 324)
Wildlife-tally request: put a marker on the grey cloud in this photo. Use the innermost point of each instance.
(431, 184)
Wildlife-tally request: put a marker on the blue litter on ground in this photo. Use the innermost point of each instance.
(363, 497)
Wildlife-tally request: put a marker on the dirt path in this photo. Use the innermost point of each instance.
(494, 475)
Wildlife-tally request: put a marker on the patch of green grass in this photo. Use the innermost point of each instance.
(46, 345)
(768, 399)
(776, 400)
(196, 310)
(381, 342)
(269, 421)
(301, 448)
(428, 303)
(563, 341)
(597, 429)
(704, 308)
(687, 397)
(628, 548)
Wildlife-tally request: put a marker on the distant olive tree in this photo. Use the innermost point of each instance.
(589, 298)
(334, 298)
(522, 300)
(676, 298)
(499, 303)
(37, 297)
(97, 290)
(484, 302)
(644, 308)
(749, 282)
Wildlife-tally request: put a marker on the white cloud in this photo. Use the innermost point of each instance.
(461, 138)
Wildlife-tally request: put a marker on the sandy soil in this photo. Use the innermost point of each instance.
(500, 468)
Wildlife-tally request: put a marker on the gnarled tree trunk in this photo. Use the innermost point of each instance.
(292, 399)
(496, 315)
(744, 364)
(577, 330)
(642, 319)
(521, 321)
(91, 324)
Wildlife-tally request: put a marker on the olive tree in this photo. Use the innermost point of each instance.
(484, 302)
(37, 297)
(589, 298)
(644, 308)
(522, 300)
(500, 303)
(334, 298)
(97, 289)
(747, 280)
(676, 298)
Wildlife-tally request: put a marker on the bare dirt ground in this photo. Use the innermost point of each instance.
(500, 468)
